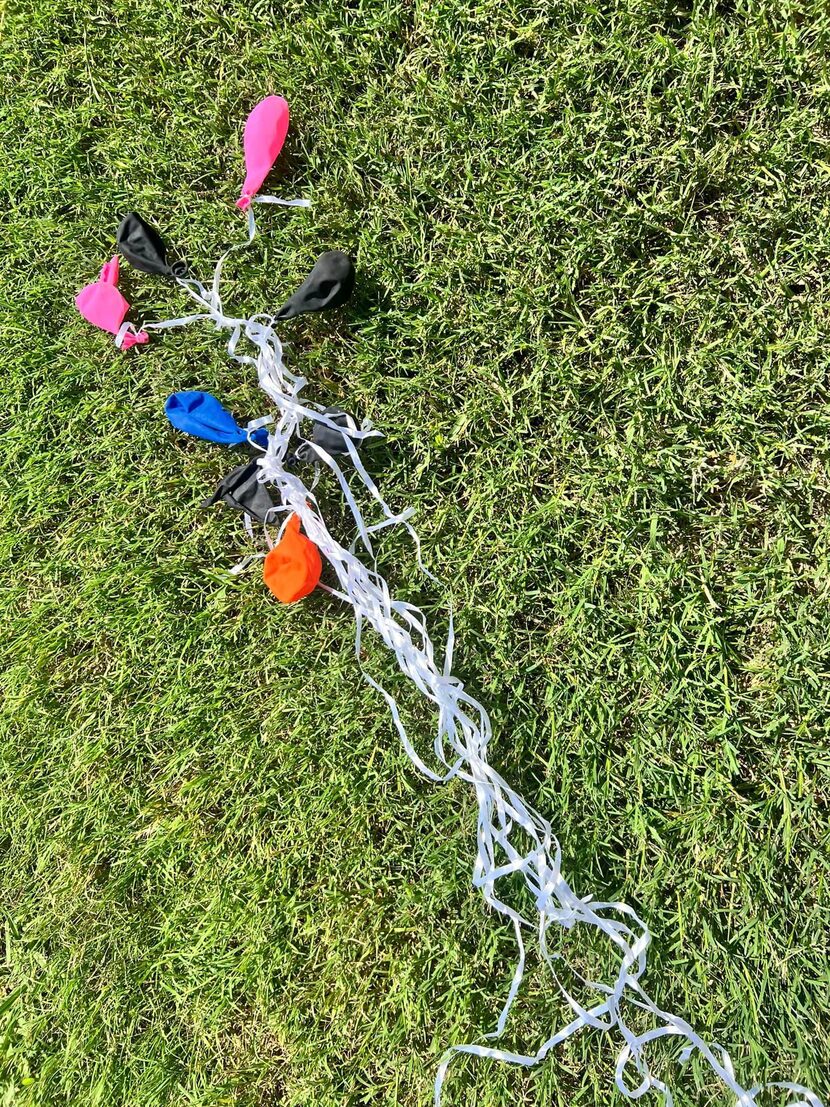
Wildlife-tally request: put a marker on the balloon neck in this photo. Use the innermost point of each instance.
(244, 202)
(109, 274)
(137, 339)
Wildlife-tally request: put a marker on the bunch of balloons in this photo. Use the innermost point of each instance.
(292, 567)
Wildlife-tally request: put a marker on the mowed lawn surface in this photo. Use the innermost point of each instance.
(593, 245)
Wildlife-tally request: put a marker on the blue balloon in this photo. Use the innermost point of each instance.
(200, 414)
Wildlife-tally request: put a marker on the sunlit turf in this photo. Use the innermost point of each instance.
(592, 318)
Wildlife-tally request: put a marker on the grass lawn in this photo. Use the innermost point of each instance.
(593, 245)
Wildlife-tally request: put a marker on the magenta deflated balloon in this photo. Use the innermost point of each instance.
(265, 131)
(103, 305)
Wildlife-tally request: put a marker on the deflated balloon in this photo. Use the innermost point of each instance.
(329, 284)
(144, 248)
(102, 304)
(241, 489)
(201, 415)
(328, 439)
(292, 569)
(265, 131)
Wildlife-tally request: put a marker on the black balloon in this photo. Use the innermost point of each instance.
(329, 284)
(144, 248)
(332, 441)
(241, 489)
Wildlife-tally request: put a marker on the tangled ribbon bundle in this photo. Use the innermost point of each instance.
(512, 838)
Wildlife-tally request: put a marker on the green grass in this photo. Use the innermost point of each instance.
(593, 244)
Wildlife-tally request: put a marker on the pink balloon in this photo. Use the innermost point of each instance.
(265, 131)
(103, 305)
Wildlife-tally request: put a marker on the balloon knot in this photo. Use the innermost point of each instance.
(134, 339)
(243, 203)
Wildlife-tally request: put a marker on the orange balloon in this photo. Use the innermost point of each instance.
(292, 569)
